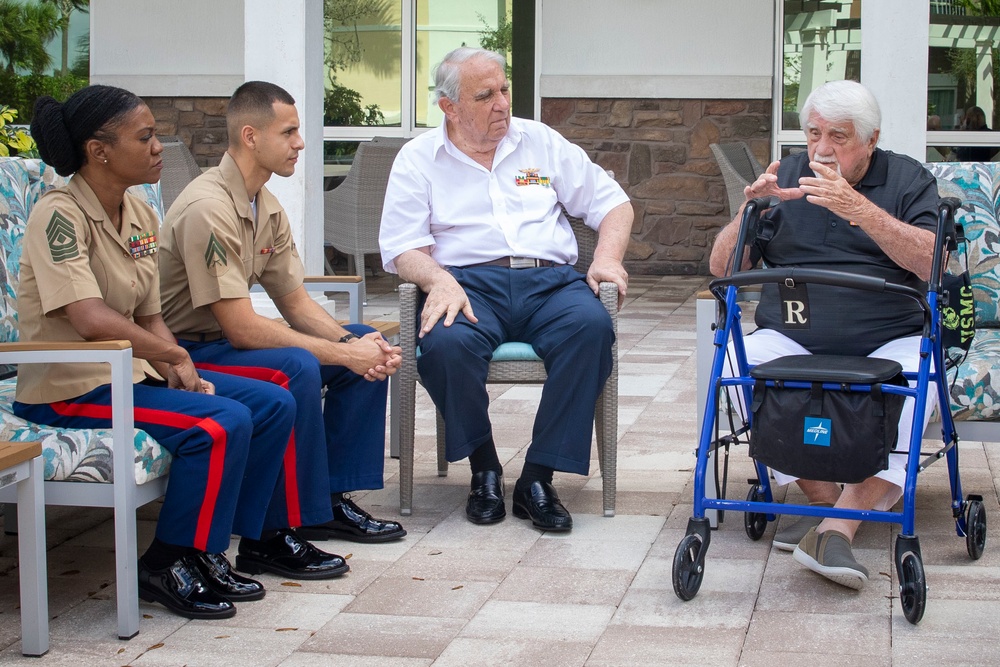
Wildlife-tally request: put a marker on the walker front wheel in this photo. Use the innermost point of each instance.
(689, 567)
(755, 523)
(975, 529)
(912, 586)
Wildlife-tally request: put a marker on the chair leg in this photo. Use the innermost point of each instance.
(126, 560)
(607, 445)
(32, 564)
(406, 379)
(359, 270)
(442, 457)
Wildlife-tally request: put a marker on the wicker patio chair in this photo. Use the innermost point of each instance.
(352, 211)
(739, 169)
(179, 169)
(513, 363)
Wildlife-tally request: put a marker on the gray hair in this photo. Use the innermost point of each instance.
(447, 77)
(839, 101)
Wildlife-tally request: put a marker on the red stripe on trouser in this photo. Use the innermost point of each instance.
(273, 376)
(216, 461)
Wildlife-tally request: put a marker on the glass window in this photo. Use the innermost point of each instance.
(363, 63)
(822, 42)
(962, 70)
(443, 25)
(380, 56)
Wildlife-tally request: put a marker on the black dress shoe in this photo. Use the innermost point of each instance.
(288, 555)
(350, 522)
(181, 589)
(218, 574)
(540, 503)
(485, 504)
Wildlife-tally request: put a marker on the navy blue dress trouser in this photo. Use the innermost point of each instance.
(554, 310)
(344, 433)
(227, 453)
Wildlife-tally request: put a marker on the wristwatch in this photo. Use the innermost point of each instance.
(348, 336)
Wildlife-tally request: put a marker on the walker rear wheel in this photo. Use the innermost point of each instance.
(755, 523)
(912, 586)
(975, 529)
(689, 567)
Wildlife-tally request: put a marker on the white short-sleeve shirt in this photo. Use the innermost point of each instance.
(440, 198)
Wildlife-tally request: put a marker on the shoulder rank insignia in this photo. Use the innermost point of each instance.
(142, 245)
(215, 257)
(530, 176)
(61, 235)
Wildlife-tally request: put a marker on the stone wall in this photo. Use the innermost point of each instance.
(199, 121)
(659, 151)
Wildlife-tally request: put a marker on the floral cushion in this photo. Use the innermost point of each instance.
(70, 454)
(975, 393)
(980, 184)
(79, 455)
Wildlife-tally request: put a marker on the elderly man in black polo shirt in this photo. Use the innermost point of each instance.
(848, 206)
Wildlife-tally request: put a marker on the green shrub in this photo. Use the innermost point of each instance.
(21, 91)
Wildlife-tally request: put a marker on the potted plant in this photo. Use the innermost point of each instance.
(14, 141)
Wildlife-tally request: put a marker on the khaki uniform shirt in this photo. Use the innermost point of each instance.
(70, 252)
(211, 249)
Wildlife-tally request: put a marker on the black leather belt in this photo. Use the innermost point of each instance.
(516, 263)
(201, 337)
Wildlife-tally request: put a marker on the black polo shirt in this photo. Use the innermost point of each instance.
(835, 320)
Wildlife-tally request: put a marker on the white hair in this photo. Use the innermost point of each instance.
(447, 76)
(839, 101)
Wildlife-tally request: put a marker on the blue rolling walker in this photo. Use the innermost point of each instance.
(832, 374)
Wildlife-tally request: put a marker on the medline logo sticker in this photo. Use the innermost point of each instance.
(816, 431)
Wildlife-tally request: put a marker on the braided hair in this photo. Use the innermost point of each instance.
(61, 129)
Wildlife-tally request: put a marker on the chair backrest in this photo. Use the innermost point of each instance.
(179, 169)
(739, 169)
(352, 211)
(586, 238)
(22, 182)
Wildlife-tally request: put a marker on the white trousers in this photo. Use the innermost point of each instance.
(767, 344)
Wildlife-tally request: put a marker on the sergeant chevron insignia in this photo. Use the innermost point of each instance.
(61, 235)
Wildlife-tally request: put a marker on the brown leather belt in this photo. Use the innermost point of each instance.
(516, 263)
(201, 337)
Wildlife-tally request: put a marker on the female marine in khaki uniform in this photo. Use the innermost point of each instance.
(88, 272)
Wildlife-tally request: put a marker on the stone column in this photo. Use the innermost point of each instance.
(285, 46)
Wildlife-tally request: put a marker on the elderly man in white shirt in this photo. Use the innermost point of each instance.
(472, 216)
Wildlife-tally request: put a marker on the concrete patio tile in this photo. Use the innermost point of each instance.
(958, 622)
(457, 531)
(567, 552)
(388, 636)
(515, 652)
(209, 644)
(563, 585)
(303, 659)
(662, 608)
(637, 645)
(787, 586)
(591, 501)
(539, 622)
(409, 596)
(461, 563)
(777, 657)
(298, 611)
(832, 634)
(730, 576)
(617, 529)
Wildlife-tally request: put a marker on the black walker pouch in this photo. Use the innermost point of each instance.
(833, 435)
